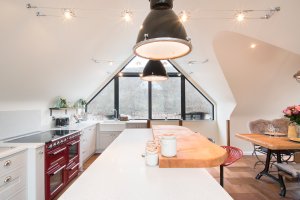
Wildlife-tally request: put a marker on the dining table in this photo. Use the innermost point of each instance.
(275, 145)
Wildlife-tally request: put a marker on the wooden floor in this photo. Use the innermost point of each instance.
(241, 184)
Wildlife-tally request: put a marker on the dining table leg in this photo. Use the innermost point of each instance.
(265, 171)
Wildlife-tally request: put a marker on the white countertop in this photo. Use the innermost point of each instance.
(120, 173)
(7, 150)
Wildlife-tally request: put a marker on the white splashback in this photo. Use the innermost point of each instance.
(14, 123)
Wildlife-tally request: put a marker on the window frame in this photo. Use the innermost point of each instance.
(136, 74)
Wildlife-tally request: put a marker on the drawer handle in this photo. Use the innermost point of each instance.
(7, 179)
(74, 143)
(58, 170)
(60, 150)
(7, 163)
(74, 166)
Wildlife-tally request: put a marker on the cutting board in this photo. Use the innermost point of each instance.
(193, 149)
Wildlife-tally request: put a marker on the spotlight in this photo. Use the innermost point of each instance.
(68, 14)
(240, 17)
(252, 46)
(183, 16)
(127, 15)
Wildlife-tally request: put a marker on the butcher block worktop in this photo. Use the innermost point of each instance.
(120, 173)
(193, 149)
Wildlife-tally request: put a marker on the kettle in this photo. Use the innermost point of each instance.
(168, 145)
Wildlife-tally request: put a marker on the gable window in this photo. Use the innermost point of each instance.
(175, 98)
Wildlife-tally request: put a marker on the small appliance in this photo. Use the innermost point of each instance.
(62, 121)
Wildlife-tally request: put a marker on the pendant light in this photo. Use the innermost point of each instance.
(154, 71)
(162, 35)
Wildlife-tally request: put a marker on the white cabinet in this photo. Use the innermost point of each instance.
(36, 173)
(108, 133)
(87, 143)
(13, 177)
(136, 124)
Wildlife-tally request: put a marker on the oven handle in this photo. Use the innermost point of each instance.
(60, 150)
(74, 143)
(74, 166)
(57, 170)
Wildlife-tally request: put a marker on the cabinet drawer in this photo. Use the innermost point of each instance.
(12, 162)
(20, 195)
(12, 182)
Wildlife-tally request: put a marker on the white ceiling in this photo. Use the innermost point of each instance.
(45, 57)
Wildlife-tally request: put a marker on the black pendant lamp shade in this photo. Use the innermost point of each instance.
(154, 71)
(162, 35)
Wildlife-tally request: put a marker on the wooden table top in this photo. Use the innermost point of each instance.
(193, 149)
(270, 142)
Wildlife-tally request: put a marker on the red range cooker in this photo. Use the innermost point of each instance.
(61, 158)
(61, 163)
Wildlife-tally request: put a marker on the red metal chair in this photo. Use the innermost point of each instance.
(234, 154)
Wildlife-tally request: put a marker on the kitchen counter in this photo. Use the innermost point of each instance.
(7, 150)
(120, 173)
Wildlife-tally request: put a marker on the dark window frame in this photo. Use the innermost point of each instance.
(136, 74)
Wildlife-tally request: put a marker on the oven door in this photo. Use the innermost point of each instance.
(55, 180)
(73, 150)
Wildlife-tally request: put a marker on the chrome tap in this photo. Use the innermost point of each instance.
(115, 114)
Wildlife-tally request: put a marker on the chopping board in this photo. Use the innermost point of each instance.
(193, 149)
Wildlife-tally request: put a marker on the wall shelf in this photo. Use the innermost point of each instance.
(65, 109)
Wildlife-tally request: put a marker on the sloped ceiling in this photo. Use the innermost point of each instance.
(44, 57)
(260, 78)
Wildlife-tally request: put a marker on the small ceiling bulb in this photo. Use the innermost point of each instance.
(183, 16)
(240, 17)
(252, 46)
(68, 14)
(127, 16)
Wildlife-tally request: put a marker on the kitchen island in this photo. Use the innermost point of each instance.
(120, 173)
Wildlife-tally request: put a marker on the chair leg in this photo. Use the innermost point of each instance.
(222, 175)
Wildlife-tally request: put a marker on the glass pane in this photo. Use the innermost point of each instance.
(73, 151)
(133, 97)
(197, 106)
(166, 99)
(103, 105)
(56, 180)
(137, 65)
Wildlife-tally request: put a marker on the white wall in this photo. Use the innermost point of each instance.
(261, 80)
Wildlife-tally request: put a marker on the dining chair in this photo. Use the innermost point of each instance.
(289, 170)
(234, 154)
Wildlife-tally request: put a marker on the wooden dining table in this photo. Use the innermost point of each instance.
(274, 145)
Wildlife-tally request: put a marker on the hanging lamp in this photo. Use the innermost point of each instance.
(162, 35)
(154, 71)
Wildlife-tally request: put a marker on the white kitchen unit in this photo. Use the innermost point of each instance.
(87, 143)
(13, 176)
(36, 172)
(136, 124)
(108, 132)
(121, 173)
